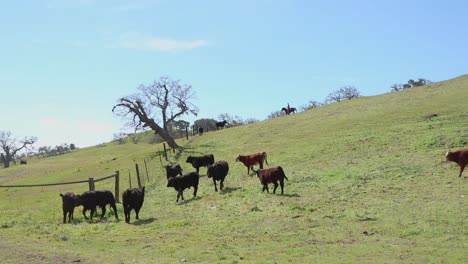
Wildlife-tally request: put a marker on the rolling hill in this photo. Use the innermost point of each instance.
(367, 183)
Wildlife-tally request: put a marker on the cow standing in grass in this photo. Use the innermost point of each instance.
(174, 170)
(91, 199)
(68, 206)
(133, 199)
(272, 175)
(460, 157)
(218, 172)
(220, 124)
(250, 160)
(201, 161)
(180, 183)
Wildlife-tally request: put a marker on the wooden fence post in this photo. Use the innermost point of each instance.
(91, 184)
(146, 168)
(165, 151)
(129, 179)
(138, 175)
(117, 189)
(186, 132)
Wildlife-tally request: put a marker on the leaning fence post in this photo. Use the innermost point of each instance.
(91, 184)
(117, 191)
(138, 175)
(129, 179)
(146, 168)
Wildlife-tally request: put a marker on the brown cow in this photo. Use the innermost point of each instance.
(460, 157)
(250, 160)
(272, 175)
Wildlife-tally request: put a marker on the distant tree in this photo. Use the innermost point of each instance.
(11, 146)
(335, 96)
(180, 124)
(120, 137)
(349, 92)
(207, 124)
(406, 86)
(310, 105)
(72, 146)
(166, 99)
(396, 87)
(410, 84)
(250, 121)
(276, 114)
(231, 120)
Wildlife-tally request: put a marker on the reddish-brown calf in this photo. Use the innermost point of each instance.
(460, 157)
(250, 160)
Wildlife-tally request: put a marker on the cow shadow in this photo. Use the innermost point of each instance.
(227, 190)
(187, 201)
(144, 221)
(290, 195)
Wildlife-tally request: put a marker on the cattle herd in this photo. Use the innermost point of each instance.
(133, 198)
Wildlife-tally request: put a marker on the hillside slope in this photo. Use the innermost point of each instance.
(367, 182)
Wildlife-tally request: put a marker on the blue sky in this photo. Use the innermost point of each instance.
(64, 63)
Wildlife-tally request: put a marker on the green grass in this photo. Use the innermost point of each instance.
(367, 183)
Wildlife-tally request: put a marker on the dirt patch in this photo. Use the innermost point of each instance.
(13, 174)
(16, 254)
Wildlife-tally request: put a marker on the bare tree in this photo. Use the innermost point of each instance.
(231, 120)
(396, 87)
(349, 92)
(11, 145)
(166, 98)
(335, 96)
(312, 104)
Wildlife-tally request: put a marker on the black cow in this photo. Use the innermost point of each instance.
(174, 170)
(91, 199)
(180, 183)
(201, 161)
(220, 124)
(133, 199)
(68, 206)
(218, 172)
(200, 131)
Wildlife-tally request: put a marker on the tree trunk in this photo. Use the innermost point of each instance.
(5, 161)
(164, 135)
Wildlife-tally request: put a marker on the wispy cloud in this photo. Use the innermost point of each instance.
(91, 126)
(52, 123)
(135, 41)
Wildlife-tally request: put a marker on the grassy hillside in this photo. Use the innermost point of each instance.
(367, 183)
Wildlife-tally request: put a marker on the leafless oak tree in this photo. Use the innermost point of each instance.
(11, 145)
(156, 105)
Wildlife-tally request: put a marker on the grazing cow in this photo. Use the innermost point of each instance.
(174, 170)
(272, 175)
(180, 183)
(460, 157)
(250, 160)
(218, 172)
(200, 131)
(201, 161)
(133, 199)
(68, 206)
(220, 124)
(89, 200)
(23, 162)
